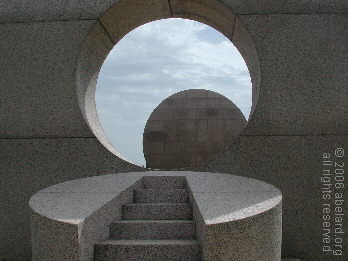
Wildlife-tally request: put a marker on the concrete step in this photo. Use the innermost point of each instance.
(161, 196)
(157, 211)
(153, 229)
(164, 182)
(148, 250)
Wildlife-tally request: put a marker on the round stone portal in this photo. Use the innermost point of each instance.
(190, 127)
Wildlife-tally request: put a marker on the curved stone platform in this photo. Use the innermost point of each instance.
(237, 218)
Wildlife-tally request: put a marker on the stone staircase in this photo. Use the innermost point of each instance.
(158, 225)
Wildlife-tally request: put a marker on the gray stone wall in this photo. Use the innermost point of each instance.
(296, 52)
(190, 127)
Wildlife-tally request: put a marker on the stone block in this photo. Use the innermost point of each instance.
(217, 146)
(46, 11)
(144, 250)
(209, 135)
(195, 125)
(206, 150)
(219, 103)
(178, 161)
(40, 10)
(203, 157)
(150, 230)
(287, 7)
(63, 235)
(213, 113)
(246, 46)
(156, 136)
(204, 113)
(150, 211)
(247, 233)
(125, 16)
(167, 114)
(216, 124)
(189, 114)
(312, 99)
(211, 13)
(231, 136)
(164, 181)
(160, 158)
(213, 95)
(186, 135)
(236, 125)
(154, 148)
(174, 147)
(168, 195)
(38, 90)
(172, 125)
(194, 103)
(48, 231)
(156, 125)
(237, 115)
(170, 104)
(293, 164)
(43, 162)
(196, 146)
(199, 94)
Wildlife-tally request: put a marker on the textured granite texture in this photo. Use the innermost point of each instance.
(212, 13)
(159, 211)
(128, 15)
(148, 251)
(29, 165)
(86, 206)
(12, 11)
(158, 229)
(18, 11)
(190, 127)
(149, 232)
(38, 91)
(287, 7)
(161, 195)
(165, 182)
(303, 89)
(294, 165)
(296, 53)
(232, 212)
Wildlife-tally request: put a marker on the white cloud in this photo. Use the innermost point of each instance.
(157, 60)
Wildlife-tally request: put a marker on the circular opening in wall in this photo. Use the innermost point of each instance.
(157, 60)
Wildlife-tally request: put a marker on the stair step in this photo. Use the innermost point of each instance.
(149, 229)
(148, 250)
(164, 182)
(157, 211)
(161, 196)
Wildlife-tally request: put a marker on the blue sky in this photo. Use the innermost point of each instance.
(157, 60)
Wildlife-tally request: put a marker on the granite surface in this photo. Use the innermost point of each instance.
(231, 209)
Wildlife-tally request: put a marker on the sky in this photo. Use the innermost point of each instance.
(157, 60)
